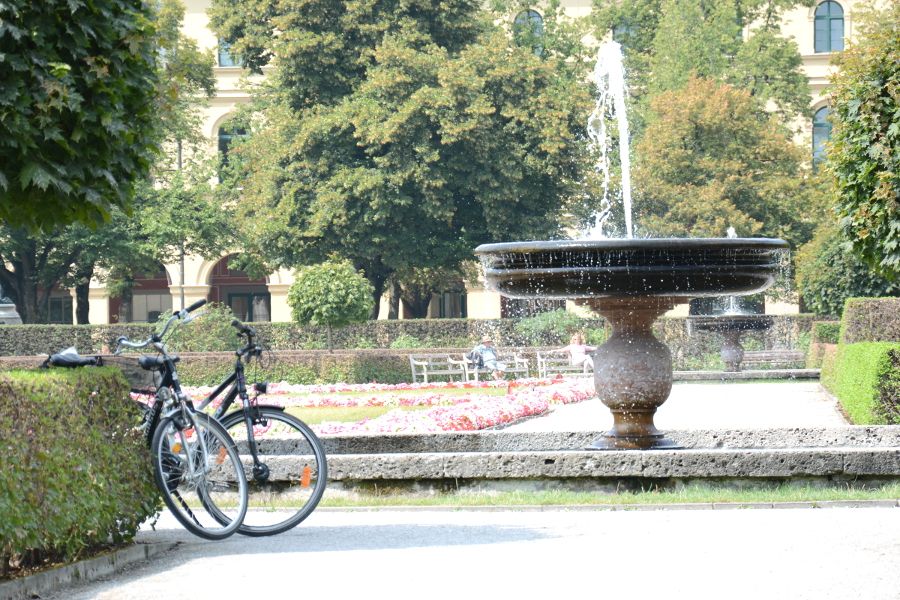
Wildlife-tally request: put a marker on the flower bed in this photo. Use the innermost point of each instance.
(443, 412)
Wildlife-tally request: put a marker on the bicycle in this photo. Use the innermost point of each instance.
(196, 463)
(286, 467)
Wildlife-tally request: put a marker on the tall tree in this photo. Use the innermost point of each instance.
(735, 41)
(77, 121)
(437, 132)
(708, 162)
(864, 154)
(171, 204)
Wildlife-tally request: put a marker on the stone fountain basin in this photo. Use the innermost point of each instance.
(662, 267)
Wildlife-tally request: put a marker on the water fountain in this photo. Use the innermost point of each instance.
(630, 282)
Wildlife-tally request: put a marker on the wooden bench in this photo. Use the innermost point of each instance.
(437, 365)
(773, 357)
(554, 363)
(515, 365)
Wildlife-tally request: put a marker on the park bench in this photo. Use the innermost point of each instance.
(552, 363)
(437, 365)
(788, 358)
(516, 365)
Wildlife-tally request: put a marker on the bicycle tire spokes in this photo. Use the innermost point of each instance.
(287, 482)
(200, 475)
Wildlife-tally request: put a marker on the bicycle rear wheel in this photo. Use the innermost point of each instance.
(290, 479)
(199, 473)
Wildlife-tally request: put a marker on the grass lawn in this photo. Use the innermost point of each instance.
(691, 494)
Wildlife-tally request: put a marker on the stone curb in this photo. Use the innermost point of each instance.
(620, 507)
(90, 569)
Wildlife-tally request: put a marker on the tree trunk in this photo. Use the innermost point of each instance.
(415, 303)
(328, 336)
(394, 301)
(82, 294)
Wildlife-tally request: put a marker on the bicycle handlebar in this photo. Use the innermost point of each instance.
(157, 337)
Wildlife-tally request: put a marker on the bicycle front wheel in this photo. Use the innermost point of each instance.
(199, 472)
(288, 478)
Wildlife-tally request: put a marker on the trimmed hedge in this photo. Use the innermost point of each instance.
(865, 378)
(25, 340)
(888, 390)
(871, 320)
(75, 474)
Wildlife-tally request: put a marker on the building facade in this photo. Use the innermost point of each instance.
(819, 30)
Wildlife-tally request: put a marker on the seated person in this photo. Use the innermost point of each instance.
(489, 357)
(578, 352)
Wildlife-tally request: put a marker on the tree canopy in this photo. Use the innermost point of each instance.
(437, 133)
(709, 161)
(864, 153)
(77, 120)
(171, 208)
(828, 274)
(737, 41)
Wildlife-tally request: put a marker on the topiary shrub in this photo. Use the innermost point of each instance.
(332, 294)
(76, 475)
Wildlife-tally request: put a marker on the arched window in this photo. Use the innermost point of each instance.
(829, 34)
(821, 133)
(528, 29)
(226, 137)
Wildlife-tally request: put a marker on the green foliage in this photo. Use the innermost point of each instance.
(170, 214)
(78, 124)
(554, 327)
(76, 474)
(399, 135)
(855, 376)
(708, 161)
(888, 389)
(871, 320)
(828, 273)
(826, 332)
(407, 341)
(595, 336)
(331, 293)
(666, 42)
(208, 332)
(864, 153)
(303, 368)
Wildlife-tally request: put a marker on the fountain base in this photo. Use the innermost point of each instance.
(632, 372)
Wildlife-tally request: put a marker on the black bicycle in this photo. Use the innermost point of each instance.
(285, 461)
(196, 463)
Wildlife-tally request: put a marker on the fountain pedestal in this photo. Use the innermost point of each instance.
(632, 372)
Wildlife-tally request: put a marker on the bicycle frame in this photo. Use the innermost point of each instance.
(236, 386)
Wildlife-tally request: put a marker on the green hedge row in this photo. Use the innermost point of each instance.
(871, 320)
(358, 366)
(25, 340)
(74, 473)
(865, 378)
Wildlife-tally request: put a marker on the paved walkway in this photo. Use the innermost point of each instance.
(797, 554)
(732, 405)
